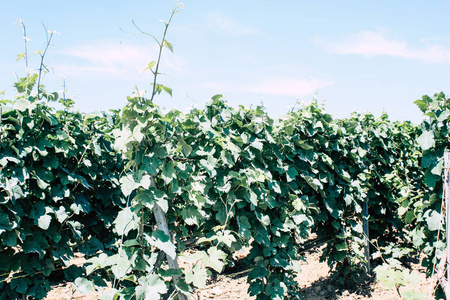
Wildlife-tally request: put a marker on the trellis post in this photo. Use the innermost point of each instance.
(445, 260)
(366, 234)
(447, 208)
(162, 225)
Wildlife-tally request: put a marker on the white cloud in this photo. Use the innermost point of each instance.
(215, 85)
(430, 38)
(116, 59)
(227, 26)
(375, 43)
(296, 87)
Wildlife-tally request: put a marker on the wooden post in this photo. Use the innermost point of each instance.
(366, 234)
(447, 209)
(441, 275)
(162, 225)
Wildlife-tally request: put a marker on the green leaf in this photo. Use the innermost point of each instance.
(84, 286)
(191, 216)
(21, 284)
(312, 182)
(161, 241)
(275, 186)
(121, 265)
(96, 262)
(299, 204)
(226, 237)
(150, 287)
(291, 174)
(409, 217)
(257, 144)
(431, 179)
(197, 276)
(127, 185)
(264, 219)
(75, 226)
(426, 140)
(423, 105)
(167, 90)
(244, 227)
(357, 227)
(388, 276)
(259, 272)
(146, 198)
(20, 56)
(433, 219)
(339, 256)
(341, 247)
(150, 65)
(304, 145)
(186, 148)
(23, 105)
(169, 173)
(437, 170)
(168, 45)
(216, 259)
(251, 197)
(110, 294)
(443, 116)
(262, 237)
(138, 135)
(44, 221)
(277, 289)
(126, 220)
(145, 182)
(210, 165)
(199, 200)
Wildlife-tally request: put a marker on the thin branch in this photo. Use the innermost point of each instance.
(143, 32)
(25, 39)
(41, 65)
(161, 46)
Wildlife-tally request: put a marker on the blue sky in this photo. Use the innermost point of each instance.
(366, 56)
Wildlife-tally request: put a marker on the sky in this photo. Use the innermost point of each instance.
(365, 56)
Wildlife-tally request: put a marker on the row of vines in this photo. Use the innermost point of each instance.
(224, 177)
(131, 190)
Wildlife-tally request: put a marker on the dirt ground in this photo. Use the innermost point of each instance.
(315, 282)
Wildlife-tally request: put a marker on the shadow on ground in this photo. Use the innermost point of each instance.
(332, 288)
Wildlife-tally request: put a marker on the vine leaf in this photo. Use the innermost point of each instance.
(168, 90)
(110, 294)
(44, 221)
(126, 220)
(150, 65)
(121, 265)
(216, 259)
(426, 140)
(84, 285)
(127, 185)
(197, 276)
(161, 241)
(151, 287)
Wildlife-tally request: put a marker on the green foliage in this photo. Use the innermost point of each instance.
(344, 163)
(393, 275)
(217, 175)
(232, 177)
(434, 143)
(58, 188)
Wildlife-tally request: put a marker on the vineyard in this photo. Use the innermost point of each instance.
(130, 190)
